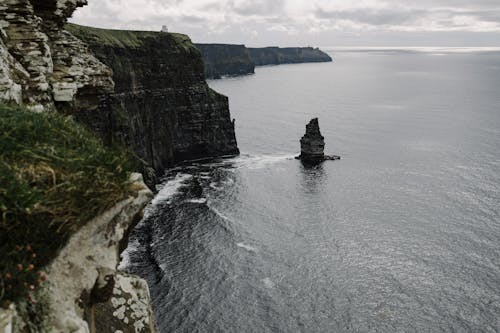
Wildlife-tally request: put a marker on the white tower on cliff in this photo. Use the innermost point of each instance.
(164, 28)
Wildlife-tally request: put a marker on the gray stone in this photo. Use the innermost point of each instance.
(312, 145)
(88, 263)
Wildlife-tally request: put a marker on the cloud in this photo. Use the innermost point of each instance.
(301, 19)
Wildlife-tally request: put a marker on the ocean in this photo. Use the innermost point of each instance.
(401, 235)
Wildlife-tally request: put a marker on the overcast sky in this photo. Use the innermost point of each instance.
(308, 22)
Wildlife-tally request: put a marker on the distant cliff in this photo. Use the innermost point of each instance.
(226, 59)
(288, 55)
(161, 106)
(232, 60)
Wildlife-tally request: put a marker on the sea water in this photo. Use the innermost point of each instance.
(401, 235)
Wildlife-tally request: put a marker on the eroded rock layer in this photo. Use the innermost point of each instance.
(43, 63)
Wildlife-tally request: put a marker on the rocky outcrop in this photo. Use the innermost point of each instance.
(226, 60)
(288, 55)
(128, 309)
(84, 278)
(86, 293)
(312, 145)
(162, 107)
(7, 319)
(232, 60)
(43, 64)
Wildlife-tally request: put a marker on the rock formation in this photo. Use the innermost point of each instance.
(312, 145)
(87, 293)
(84, 277)
(40, 63)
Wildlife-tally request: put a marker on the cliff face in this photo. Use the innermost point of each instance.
(86, 293)
(40, 63)
(85, 287)
(225, 59)
(289, 55)
(232, 60)
(162, 106)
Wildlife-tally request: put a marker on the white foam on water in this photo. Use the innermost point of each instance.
(132, 247)
(246, 247)
(222, 216)
(198, 201)
(170, 188)
(261, 161)
(215, 187)
(268, 283)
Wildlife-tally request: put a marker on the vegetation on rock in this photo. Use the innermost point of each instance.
(122, 38)
(54, 177)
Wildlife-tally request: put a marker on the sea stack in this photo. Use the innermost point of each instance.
(312, 145)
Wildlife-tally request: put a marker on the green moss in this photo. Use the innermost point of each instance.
(123, 38)
(54, 177)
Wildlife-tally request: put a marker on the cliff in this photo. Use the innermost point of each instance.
(146, 91)
(226, 60)
(67, 205)
(161, 107)
(40, 63)
(231, 60)
(288, 55)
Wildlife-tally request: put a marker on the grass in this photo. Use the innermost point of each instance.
(123, 38)
(55, 176)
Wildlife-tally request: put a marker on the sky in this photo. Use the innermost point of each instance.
(323, 23)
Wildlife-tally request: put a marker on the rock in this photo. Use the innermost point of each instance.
(104, 285)
(312, 145)
(83, 275)
(129, 308)
(7, 319)
(40, 64)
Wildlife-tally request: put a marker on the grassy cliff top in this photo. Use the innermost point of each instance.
(55, 176)
(122, 38)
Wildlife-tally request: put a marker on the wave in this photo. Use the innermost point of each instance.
(133, 247)
(219, 214)
(198, 201)
(246, 247)
(170, 188)
(261, 161)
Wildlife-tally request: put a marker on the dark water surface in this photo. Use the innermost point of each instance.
(401, 235)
